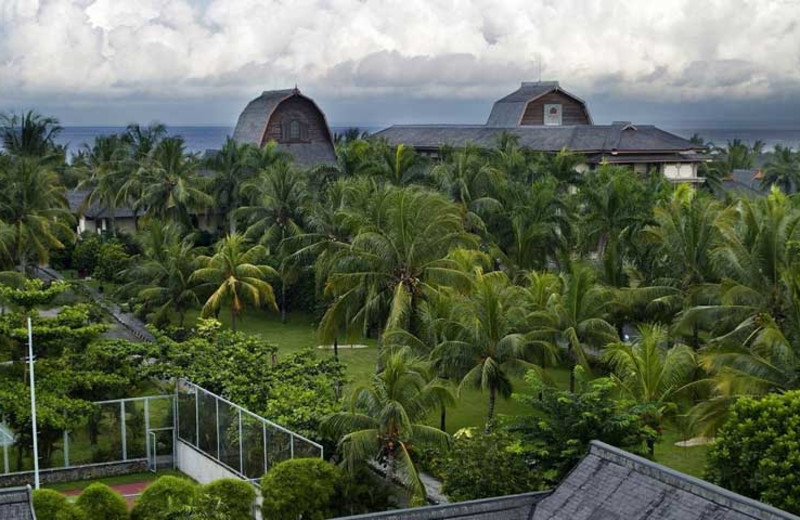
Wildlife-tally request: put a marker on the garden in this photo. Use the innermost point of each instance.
(480, 317)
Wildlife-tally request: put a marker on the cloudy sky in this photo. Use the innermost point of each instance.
(379, 61)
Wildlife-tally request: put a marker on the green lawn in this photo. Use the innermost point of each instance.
(300, 332)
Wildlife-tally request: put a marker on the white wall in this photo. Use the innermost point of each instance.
(680, 171)
(200, 467)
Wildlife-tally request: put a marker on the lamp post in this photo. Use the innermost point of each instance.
(33, 406)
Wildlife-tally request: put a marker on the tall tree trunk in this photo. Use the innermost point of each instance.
(443, 419)
(336, 348)
(283, 301)
(490, 416)
(233, 318)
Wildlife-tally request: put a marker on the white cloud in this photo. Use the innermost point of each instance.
(668, 50)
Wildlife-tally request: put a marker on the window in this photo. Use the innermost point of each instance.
(294, 130)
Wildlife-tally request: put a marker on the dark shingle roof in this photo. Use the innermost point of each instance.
(254, 118)
(507, 111)
(611, 484)
(77, 198)
(618, 137)
(511, 507)
(16, 504)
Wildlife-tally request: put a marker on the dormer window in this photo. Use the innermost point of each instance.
(295, 130)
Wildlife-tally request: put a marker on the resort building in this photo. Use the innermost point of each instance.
(547, 118)
(290, 119)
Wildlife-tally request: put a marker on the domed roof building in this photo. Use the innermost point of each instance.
(290, 119)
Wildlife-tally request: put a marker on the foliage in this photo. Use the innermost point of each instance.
(300, 487)
(489, 465)
(230, 497)
(52, 505)
(757, 451)
(86, 253)
(165, 493)
(100, 502)
(112, 260)
(563, 423)
(34, 293)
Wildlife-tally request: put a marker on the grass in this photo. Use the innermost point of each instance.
(470, 411)
(131, 478)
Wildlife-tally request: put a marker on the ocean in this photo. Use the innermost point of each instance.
(202, 138)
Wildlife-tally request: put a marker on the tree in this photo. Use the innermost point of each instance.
(400, 249)
(575, 316)
(104, 165)
(397, 165)
(384, 420)
(236, 276)
(163, 495)
(31, 135)
(33, 204)
(50, 504)
(757, 451)
(737, 155)
(141, 143)
(651, 374)
(782, 170)
(232, 168)
(300, 488)
(231, 497)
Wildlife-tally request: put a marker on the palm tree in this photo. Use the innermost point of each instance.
(564, 167)
(401, 241)
(104, 165)
(576, 316)
(737, 155)
(141, 142)
(162, 276)
(650, 373)
(33, 204)
(232, 168)
(398, 165)
(385, 419)
(236, 276)
(31, 135)
(489, 347)
(172, 189)
(782, 169)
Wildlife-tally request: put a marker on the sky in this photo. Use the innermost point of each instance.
(375, 62)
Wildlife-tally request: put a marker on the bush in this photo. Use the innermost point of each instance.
(100, 502)
(112, 260)
(481, 466)
(165, 494)
(298, 487)
(757, 452)
(85, 253)
(229, 497)
(52, 505)
(360, 493)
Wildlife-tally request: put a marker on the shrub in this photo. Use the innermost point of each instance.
(229, 497)
(361, 492)
(52, 505)
(112, 260)
(100, 502)
(165, 494)
(85, 253)
(481, 466)
(757, 452)
(298, 487)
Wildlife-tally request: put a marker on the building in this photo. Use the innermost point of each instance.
(608, 484)
(290, 119)
(16, 504)
(547, 118)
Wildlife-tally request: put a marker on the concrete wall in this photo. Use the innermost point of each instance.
(199, 466)
(93, 471)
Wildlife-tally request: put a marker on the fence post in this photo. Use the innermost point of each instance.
(122, 428)
(216, 428)
(66, 449)
(241, 453)
(291, 444)
(264, 431)
(147, 429)
(197, 416)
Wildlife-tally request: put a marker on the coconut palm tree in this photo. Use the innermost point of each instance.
(172, 188)
(31, 135)
(651, 373)
(236, 276)
(34, 205)
(232, 168)
(385, 419)
(104, 166)
(575, 317)
(782, 169)
(563, 166)
(397, 165)
(490, 347)
(401, 241)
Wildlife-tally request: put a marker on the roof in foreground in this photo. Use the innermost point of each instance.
(608, 484)
(618, 137)
(16, 504)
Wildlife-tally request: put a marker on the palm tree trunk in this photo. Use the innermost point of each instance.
(490, 417)
(336, 348)
(233, 319)
(180, 318)
(443, 419)
(283, 301)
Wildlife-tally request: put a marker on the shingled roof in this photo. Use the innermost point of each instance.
(619, 137)
(609, 484)
(254, 118)
(507, 111)
(16, 504)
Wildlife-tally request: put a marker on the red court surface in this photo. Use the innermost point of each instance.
(129, 491)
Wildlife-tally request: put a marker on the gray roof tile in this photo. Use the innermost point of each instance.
(507, 111)
(16, 504)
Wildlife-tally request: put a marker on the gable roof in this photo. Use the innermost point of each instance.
(16, 504)
(620, 137)
(610, 483)
(508, 111)
(253, 120)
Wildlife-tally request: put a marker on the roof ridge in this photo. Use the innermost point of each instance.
(689, 483)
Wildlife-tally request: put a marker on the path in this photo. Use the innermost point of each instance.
(129, 491)
(131, 323)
